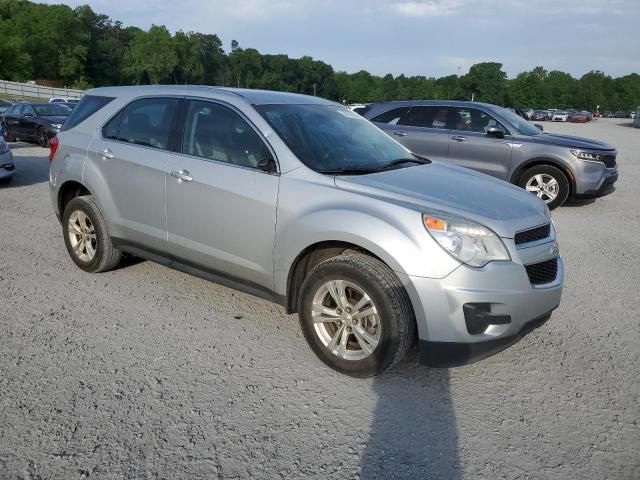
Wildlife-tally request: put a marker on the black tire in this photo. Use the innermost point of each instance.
(7, 135)
(6, 180)
(106, 257)
(395, 314)
(42, 137)
(548, 170)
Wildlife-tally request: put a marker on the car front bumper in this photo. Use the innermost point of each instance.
(442, 309)
(594, 179)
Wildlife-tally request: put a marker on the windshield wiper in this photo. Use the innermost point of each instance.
(349, 170)
(401, 161)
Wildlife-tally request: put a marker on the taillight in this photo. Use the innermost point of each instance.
(53, 147)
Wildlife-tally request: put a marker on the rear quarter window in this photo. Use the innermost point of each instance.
(89, 105)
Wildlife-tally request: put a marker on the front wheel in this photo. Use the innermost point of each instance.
(356, 315)
(547, 183)
(43, 137)
(8, 136)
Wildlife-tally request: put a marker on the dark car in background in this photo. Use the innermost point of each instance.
(539, 115)
(620, 114)
(33, 122)
(498, 142)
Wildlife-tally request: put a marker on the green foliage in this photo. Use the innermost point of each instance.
(82, 48)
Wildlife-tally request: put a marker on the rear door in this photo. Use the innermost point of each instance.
(132, 155)
(221, 208)
(422, 129)
(473, 148)
(12, 119)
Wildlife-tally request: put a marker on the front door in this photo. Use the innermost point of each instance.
(221, 208)
(470, 145)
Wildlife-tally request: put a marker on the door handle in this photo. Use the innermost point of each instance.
(459, 138)
(106, 153)
(181, 176)
(400, 134)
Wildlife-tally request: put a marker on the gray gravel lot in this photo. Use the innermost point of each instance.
(146, 372)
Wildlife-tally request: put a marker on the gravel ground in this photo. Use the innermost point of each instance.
(146, 372)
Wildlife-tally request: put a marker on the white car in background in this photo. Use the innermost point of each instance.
(560, 116)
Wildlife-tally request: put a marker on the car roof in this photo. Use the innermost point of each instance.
(251, 96)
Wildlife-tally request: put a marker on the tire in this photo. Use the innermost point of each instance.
(42, 137)
(6, 180)
(554, 194)
(390, 321)
(7, 135)
(86, 237)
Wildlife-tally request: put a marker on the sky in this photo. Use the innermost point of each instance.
(411, 37)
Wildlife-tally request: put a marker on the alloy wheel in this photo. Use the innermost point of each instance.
(346, 320)
(544, 186)
(82, 236)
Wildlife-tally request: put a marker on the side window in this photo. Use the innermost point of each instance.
(427, 117)
(216, 132)
(391, 117)
(146, 122)
(474, 120)
(16, 110)
(28, 110)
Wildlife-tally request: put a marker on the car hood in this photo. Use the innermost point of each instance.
(568, 141)
(456, 191)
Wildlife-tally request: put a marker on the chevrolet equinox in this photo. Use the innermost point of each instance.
(301, 201)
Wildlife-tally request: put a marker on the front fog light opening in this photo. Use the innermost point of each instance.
(478, 317)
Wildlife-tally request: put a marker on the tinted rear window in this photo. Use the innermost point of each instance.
(89, 105)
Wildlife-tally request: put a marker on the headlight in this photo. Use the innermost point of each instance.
(586, 155)
(56, 125)
(469, 242)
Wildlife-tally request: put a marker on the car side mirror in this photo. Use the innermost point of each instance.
(496, 132)
(267, 163)
(540, 127)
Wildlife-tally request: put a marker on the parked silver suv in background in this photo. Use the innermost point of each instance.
(496, 141)
(301, 201)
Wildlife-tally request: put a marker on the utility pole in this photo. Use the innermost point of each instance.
(314, 89)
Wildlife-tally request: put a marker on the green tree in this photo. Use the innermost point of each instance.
(151, 56)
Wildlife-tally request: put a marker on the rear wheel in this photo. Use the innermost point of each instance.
(356, 315)
(86, 237)
(547, 183)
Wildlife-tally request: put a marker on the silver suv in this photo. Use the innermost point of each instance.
(301, 201)
(496, 141)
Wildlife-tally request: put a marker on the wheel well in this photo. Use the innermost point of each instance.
(68, 191)
(308, 259)
(546, 161)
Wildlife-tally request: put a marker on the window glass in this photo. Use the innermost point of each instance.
(218, 133)
(431, 116)
(16, 110)
(474, 120)
(144, 122)
(523, 126)
(51, 110)
(28, 110)
(392, 116)
(89, 105)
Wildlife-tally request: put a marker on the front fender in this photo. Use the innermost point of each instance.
(313, 213)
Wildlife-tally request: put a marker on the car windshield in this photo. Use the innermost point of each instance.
(523, 126)
(51, 110)
(333, 139)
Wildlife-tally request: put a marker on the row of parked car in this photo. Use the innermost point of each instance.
(382, 240)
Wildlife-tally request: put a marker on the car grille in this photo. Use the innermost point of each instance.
(543, 272)
(533, 234)
(608, 160)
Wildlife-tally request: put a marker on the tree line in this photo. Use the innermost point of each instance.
(83, 49)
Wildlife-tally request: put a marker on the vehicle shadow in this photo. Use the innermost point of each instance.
(578, 202)
(414, 432)
(627, 124)
(29, 171)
